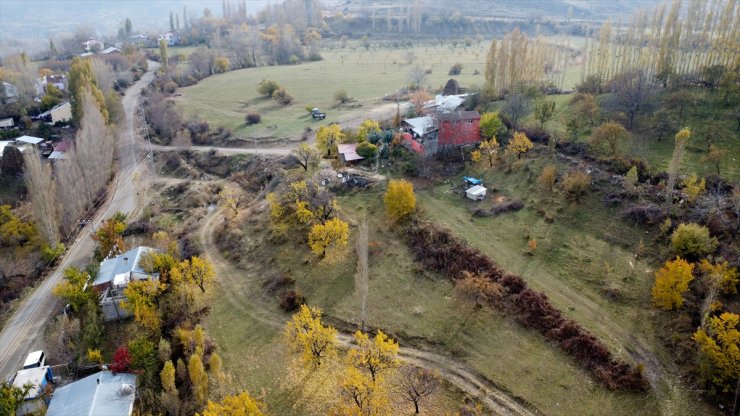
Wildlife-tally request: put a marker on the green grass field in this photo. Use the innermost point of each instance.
(417, 306)
(366, 75)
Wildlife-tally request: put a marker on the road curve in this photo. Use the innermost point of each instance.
(23, 332)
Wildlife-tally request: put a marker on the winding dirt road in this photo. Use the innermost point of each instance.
(24, 331)
(457, 374)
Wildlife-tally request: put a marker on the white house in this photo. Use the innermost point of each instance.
(114, 276)
(92, 45)
(169, 37)
(60, 112)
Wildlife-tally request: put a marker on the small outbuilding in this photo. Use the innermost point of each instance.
(348, 153)
(7, 123)
(39, 378)
(476, 193)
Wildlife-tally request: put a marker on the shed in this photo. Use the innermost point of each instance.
(348, 153)
(29, 140)
(100, 394)
(39, 378)
(7, 123)
(476, 193)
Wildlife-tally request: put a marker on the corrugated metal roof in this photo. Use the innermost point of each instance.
(420, 125)
(37, 377)
(29, 139)
(349, 151)
(101, 394)
(125, 263)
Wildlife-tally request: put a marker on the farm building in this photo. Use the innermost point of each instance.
(60, 149)
(59, 113)
(100, 394)
(427, 135)
(348, 153)
(40, 379)
(114, 276)
(7, 123)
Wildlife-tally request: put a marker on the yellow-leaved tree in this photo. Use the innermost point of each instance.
(489, 149)
(198, 271)
(399, 198)
(721, 275)
(367, 127)
(328, 137)
(373, 356)
(328, 238)
(198, 379)
(519, 144)
(141, 299)
(307, 335)
(241, 404)
(719, 344)
(73, 289)
(671, 281)
(361, 396)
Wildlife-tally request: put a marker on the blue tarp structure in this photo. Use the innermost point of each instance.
(472, 181)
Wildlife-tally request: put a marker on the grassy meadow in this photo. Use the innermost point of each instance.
(366, 75)
(577, 259)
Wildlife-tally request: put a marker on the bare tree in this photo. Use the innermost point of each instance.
(417, 76)
(517, 106)
(308, 157)
(631, 93)
(362, 275)
(104, 75)
(42, 192)
(416, 383)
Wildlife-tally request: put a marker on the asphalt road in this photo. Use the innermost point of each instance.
(24, 331)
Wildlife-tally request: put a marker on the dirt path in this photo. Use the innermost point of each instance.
(456, 373)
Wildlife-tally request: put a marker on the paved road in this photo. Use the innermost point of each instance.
(24, 330)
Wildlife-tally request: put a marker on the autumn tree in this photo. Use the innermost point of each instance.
(415, 384)
(519, 144)
(73, 291)
(544, 111)
(418, 99)
(41, 189)
(478, 289)
(681, 139)
(307, 335)
(491, 125)
(714, 157)
(12, 397)
(328, 238)
(328, 137)
(110, 235)
(374, 356)
(169, 397)
(585, 107)
(367, 127)
(547, 177)
(361, 396)
(82, 81)
(610, 135)
(489, 149)
(307, 156)
(692, 241)
(718, 344)
(720, 274)
(671, 281)
(399, 198)
(241, 404)
(693, 187)
(630, 179)
(267, 86)
(198, 271)
(231, 198)
(198, 379)
(141, 299)
(576, 184)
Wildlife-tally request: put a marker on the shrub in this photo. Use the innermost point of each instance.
(399, 198)
(341, 97)
(456, 69)
(267, 87)
(671, 281)
(692, 241)
(253, 118)
(576, 185)
(367, 150)
(170, 87)
(291, 300)
(282, 96)
(548, 176)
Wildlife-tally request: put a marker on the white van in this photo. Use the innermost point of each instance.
(35, 359)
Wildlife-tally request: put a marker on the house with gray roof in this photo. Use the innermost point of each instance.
(114, 276)
(100, 394)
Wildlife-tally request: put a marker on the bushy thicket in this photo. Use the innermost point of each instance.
(439, 250)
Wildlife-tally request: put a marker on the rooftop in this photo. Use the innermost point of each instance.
(100, 394)
(459, 115)
(349, 150)
(125, 263)
(29, 139)
(34, 376)
(420, 125)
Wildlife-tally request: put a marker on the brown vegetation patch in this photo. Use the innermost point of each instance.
(439, 250)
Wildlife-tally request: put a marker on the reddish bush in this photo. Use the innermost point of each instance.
(291, 300)
(121, 360)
